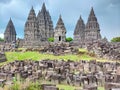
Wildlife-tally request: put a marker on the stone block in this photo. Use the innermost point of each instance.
(49, 87)
(90, 87)
(112, 86)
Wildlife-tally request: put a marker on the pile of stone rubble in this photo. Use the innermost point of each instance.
(90, 74)
(105, 50)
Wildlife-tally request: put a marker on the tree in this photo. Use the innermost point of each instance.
(115, 39)
(69, 39)
(51, 39)
(1, 39)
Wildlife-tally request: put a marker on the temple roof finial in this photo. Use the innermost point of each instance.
(80, 18)
(43, 7)
(32, 8)
(60, 16)
(92, 12)
(60, 23)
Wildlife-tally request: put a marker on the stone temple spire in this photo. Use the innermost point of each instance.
(45, 24)
(92, 12)
(60, 31)
(10, 33)
(79, 30)
(80, 26)
(60, 24)
(30, 31)
(32, 15)
(92, 20)
(92, 30)
(43, 8)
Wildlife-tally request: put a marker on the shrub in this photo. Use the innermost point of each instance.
(115, 39)
(1, 39)
(69, 39)
(33, 86)
(15, 86)
(51, 39)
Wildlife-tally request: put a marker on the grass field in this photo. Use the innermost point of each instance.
(11, 56)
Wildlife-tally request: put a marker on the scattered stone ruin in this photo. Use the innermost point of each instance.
(106, 50)
(59, 49)
(90, 74)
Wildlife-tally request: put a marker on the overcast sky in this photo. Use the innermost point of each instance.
(107, 13)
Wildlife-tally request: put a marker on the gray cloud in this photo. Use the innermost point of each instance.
(107, 13)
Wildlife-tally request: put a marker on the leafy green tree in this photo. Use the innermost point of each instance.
(1, 39)
(51, 39)
(115, 39)
(69, 39)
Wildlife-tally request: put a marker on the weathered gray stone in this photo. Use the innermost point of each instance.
(90, 87)
(2, 57)
(112, 86)
(49, 87)
(79, 32)
(10, 33)
(38, 29)
(89, 32)
(92, 30)
(60, 71)
(60, 31)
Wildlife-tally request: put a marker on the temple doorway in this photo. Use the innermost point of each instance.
(59, 38)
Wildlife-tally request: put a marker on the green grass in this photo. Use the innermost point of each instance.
(101, 88)
(67, 87)
(11, 56)
(21, 48)
(83, 50)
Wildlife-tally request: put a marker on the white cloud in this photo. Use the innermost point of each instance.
(1, 35)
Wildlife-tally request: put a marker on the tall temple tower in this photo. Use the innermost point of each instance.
(30, 32)
(60, 31)
(45, 24)
(10, 33)
(38, 29)
(92, 30)
(79, 31)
